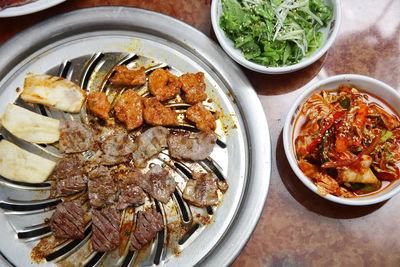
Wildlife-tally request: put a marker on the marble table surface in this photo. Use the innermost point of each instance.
(297, 227)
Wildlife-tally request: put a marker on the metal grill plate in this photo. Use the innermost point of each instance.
(245, 162)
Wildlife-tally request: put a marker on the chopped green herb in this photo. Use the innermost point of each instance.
(275, 32)
(324, 157)
(163, 165)
(345, 103)
(380, 121)
(370, 187)
(357, 186)
(365, 187)
(385, 135)
(389, 157)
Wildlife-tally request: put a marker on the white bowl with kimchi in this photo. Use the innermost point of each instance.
(341, 138)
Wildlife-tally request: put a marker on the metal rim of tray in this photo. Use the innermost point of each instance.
(16, 52)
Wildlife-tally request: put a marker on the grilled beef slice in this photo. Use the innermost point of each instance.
(148, 144)
(159, 183)
(131, 194)
(67, 220)
(102, 188)
(75, 137)
(148, 223)
(69, 176)
(192, 146)
(105, 228)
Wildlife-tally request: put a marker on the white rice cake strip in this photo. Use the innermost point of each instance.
(30, 126)
(20, 165)
(53, 91)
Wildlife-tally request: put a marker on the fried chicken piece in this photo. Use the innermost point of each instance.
(193, 87)
(156, 114)
(98, 104)
(129, 109)
(203, 118)
(125, 76)
(164, 85)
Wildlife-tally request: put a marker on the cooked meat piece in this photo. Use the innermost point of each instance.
(192, 146)
(159, 183)
(154, 219)
(75, 137)
(70, 186)
(193, 87)
(222, 185)
(129, 109)
(148, 223)
(10, 3)
(135, 245)
(102, 188)
(105, 228)
(125, 76)
(202, 117)
(53, 91)
(97, 103)
(116, 148)
(69, 176)
(148, 144)
(118, 144)
(68, 166)
(202, 191)
(17, 164)
(156, 114)
(130, 193)
(164, 85)
(113, 160)
(67, 220)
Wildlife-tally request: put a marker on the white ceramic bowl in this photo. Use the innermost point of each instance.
(329, 34)
(380, 89)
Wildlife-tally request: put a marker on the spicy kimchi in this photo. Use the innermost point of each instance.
(348, 144)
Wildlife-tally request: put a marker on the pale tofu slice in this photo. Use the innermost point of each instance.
(30, 126)
(364, 175)
(20, 165)
(53, 91)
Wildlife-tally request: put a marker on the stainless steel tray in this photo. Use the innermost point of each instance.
(79, 37)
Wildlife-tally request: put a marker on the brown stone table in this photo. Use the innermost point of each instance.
(298, 228)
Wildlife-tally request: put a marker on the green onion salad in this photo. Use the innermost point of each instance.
(275, 32)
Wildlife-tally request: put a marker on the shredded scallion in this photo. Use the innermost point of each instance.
(275, 32)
